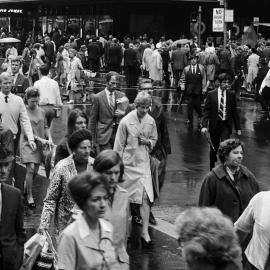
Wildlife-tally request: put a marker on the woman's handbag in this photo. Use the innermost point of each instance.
(32, 249)
(47, 258)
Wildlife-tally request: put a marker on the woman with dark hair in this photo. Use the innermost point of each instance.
(87, 242)
(77, 119)
(208, 240)
(230, 185)
(58, 201)
(110, 164)
(30, 158)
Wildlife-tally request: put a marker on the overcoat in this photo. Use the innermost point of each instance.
(231, 199)
(135, 156)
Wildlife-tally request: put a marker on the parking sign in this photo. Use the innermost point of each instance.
(218, 19)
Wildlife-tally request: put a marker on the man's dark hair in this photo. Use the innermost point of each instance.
(4, 153)
(224, 77)
(44, 69)
(110, 74)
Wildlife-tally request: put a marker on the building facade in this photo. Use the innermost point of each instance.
(118, 17)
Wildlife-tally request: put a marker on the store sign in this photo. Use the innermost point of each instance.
(228, 15)
(218, 19)
(11, 11)
(256, 21)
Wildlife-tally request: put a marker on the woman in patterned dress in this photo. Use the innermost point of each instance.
(58, 202)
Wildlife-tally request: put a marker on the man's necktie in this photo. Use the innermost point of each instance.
(6, 99)
(111, 101)
(221, 106)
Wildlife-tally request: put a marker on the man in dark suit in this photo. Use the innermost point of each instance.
(105, 115)
(219, 112)
(12, 233)
(131, 66)
(49, 51)
(115, 55)
(163, 145)
(94, 54)
(193, 82)
(20, 82)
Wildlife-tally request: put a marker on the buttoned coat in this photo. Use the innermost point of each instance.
(179, 59)
(191, 87)
(210, 112)
(102, 117)
(118, 215)
(231, 199)
(136, 159)
(12, 233)
(58, 202)
(79, 248)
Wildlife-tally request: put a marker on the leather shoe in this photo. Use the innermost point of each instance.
(146, 244)
(152, 219)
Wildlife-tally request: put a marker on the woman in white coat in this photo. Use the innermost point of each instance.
(155, 67)
(135, 138)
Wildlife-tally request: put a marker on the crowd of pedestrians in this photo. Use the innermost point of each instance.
(108, 170)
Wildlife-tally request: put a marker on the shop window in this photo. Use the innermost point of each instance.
(105, 25)
(90, 25)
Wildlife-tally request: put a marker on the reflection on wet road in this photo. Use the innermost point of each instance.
(189, 160)
(186, 166)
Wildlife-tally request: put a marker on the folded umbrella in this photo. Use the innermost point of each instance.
(208, 138)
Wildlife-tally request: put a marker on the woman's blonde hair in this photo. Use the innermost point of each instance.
(143, 98)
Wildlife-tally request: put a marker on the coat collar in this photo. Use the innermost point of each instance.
(134, 118)
(220, 171)
(87, 236)
(70, 161)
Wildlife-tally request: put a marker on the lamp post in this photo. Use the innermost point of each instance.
(225, 24)
(199, 25)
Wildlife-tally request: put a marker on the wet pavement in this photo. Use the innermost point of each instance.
(186, 166)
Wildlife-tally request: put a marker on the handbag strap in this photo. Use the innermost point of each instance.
(68, 149)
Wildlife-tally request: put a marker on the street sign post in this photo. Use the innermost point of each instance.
(256, 23)
(218, 19)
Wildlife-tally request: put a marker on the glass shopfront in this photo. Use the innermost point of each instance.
(80, 25)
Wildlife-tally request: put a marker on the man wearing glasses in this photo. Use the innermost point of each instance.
(219, 112)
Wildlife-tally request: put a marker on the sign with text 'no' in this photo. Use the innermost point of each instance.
(218, 19)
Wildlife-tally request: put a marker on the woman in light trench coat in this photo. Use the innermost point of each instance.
(135, 138)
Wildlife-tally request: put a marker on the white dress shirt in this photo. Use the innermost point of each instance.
(193, 69)
(109, 94)
(49, 91)
(13, 111)
(224, 99)
(256, 218)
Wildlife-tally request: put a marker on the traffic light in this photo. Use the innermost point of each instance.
(193, 17)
